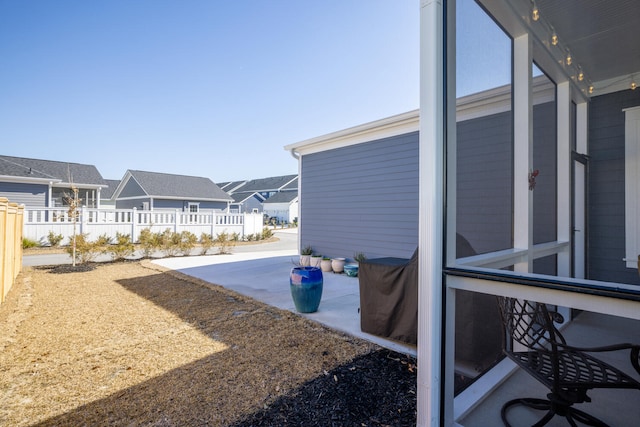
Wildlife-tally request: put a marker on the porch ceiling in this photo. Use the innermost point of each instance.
(602, 35)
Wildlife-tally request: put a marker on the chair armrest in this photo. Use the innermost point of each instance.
(634, 354)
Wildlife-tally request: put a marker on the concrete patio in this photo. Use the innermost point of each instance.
(264, 275)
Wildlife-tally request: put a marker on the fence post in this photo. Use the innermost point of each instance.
(4, 206)
(177, 219)
(17, 267)
(134, 223)
(83, 219)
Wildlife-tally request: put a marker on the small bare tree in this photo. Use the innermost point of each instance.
(73, 213)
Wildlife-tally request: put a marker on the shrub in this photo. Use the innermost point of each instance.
(267, 233)
(187, 242)
(122, 248)
(54, 239)
(235, 237)
(86, 250)
(28, 243)
(169, 242)
(148, 242)
(224, 242)
(206, 243)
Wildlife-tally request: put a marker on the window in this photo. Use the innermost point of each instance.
(193, 207)
(632, 189)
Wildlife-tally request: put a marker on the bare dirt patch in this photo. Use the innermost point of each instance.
(132, 344)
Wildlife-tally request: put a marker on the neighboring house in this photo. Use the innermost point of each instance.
(106, 196)
(283, 206)
(246, 203)
(40, 183)
(249, 195)
(155, 191)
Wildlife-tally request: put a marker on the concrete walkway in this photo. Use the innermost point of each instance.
(263, 274)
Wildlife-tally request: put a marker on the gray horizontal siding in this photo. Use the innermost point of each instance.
(362, 198)
(485, 182)
(30, 195)
(606, 236)
(132, 189)
(545, 150)
(182, 204)
(132, 203)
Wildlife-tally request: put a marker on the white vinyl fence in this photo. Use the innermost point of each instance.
(39, 222)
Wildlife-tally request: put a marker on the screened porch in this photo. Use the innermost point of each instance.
(542, 185)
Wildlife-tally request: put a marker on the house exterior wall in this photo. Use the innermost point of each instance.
(30, 195)
(250, 204)
(182, 204)
(545, 194)
(132, 203)
(606, 239)
(362, 198)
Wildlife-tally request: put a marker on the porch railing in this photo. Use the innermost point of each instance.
(39, 222)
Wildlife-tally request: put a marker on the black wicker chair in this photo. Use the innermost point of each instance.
(568, 372)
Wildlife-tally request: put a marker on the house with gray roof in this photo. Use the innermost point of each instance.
(249, 195)
(40, 183)
(246, 202)
(155, 191)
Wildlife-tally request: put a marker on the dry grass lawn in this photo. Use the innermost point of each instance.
(131, 344)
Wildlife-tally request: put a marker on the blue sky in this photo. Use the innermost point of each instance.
(201, 87)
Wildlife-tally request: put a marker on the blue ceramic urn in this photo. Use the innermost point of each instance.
(306, 288)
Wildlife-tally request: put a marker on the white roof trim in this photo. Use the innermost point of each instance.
(28, 180)
(80, 186)
(391, 126)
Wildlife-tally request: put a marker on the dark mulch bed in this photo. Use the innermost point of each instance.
(377, 389)
(69, 268)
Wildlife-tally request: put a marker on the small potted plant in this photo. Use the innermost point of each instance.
(352, 268)
(337, 265)
(325, 264)
(316, 259)
(359, 257)
(305, 256)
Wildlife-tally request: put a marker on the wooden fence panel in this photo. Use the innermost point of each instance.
(11, 226)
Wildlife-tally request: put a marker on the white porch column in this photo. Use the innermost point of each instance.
(563, 174)
(431, 182)
(523, 149)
